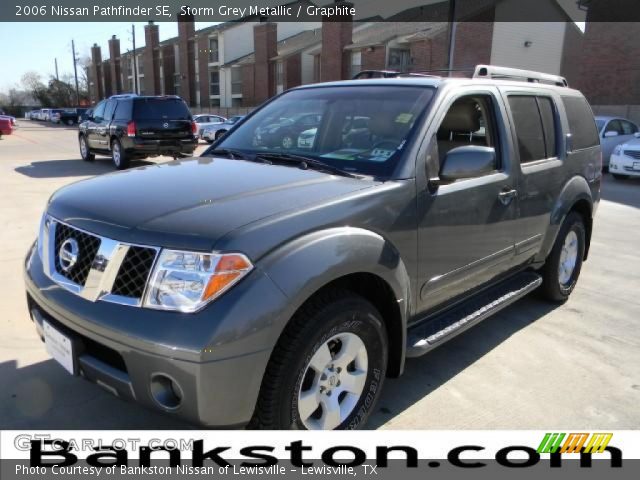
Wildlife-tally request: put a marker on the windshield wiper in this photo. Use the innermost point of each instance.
(305, 162)
(232, 154)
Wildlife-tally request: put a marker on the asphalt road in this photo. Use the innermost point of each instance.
(532, 366)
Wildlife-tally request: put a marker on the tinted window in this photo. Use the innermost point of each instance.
(315, 122)
(614, 126)
(123, 110)
(161, 108)
(581, 123)
(108, 110)
(628, 128)
(98, 112)
(529, 131)
(547, 113)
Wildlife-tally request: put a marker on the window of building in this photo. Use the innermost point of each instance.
(213, 49)
(176, 84)
(581, 123)
(129, 63)
(214, 82)
(236, 102)
(399, 59)
(140, 65)
(214, 102)
(356, 63)
(236, 80)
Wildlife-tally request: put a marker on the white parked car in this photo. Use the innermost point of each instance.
(214, 132)
(205, 120)
(613, 131)
(625, 159)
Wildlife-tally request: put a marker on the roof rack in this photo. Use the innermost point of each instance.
(492, 71)
(123, 95)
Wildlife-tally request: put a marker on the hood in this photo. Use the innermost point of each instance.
(192, 203)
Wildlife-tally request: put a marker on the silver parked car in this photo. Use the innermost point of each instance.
(206, 120)
(613, 132)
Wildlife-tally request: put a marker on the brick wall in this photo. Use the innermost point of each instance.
(186, 31)
(374, 58)
(106, 69)
(114, 65)
(265, 42)
(335, 62)
(168, 68)
(572, 53)
(96, 91)
(473, 41)
(292, 71)
(248, 92)
(151, 59)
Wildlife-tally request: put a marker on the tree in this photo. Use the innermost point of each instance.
(32, 82)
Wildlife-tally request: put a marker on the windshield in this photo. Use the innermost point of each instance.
(357, 129)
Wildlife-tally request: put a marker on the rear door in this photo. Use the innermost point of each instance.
(162, 118)
(536, 129)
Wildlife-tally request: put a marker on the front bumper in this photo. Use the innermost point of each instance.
(624, 165)
(216, 356)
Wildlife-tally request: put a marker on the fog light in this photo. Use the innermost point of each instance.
(166, 391)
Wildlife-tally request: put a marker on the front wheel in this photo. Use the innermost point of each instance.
(327, 370)
(85, 153)
(220, 133)
(120, 158)
(562, 268)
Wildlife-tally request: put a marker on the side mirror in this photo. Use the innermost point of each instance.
(468, 162)
(610, 133)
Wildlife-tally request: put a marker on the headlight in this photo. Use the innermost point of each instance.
(617, 150)
(186, 281)
(39, 239)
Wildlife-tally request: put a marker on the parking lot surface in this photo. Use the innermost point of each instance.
(531, 366)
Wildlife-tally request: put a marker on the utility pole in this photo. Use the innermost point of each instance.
(75, 71)
(135, 60)
(452, 33)
(56, 62)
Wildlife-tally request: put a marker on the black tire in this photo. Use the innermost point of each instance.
(208, 141)
(70, 122)
(85, 152)
(119, 156)
(287, 142)
(552, 288)
(617, 176)
(220, 133)
(325, 317)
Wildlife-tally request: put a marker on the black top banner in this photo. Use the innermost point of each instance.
(307, 10)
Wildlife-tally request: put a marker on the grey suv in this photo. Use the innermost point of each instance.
(277, 287)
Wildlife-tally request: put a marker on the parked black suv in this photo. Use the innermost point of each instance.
(281, 285)
(128, 127)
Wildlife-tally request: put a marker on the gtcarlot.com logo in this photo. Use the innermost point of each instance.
(574, 443)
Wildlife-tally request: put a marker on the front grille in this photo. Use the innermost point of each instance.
(134, 272)
(633, 154)
(87, 249)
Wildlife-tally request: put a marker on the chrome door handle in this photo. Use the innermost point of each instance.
(506, 196)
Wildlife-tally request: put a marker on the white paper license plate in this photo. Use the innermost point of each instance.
(59, 346)
(636, 165)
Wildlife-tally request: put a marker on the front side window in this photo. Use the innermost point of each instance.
(359, 129)
(98, 112)
(628, 128)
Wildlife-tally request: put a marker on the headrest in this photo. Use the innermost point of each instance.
(461, 117)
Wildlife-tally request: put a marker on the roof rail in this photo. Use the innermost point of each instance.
(124, 95)
(505, 73)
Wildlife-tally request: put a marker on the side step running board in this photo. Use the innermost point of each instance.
(444, 326)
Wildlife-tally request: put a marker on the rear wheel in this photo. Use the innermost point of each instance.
(120, 158)
(287, 142)
(562, 268)
(620, 177)
(328, 368)
(85, 153)
(70, 122)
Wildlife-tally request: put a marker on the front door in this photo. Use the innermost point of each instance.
(466, 227)
(93, 124)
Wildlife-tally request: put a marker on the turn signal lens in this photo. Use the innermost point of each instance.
(186, 281)
(194, 127)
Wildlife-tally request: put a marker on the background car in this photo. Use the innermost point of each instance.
(215, 131)
(6, 127)
(205, 120)
(625, 159)
(284, 132)
(613, 132)
(54, 115)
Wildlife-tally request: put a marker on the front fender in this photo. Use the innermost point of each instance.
(302, 267)
(575, 190)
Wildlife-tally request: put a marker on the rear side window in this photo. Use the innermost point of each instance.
(161, 109)
(581, 123)
(547, 113)
(529, 131)
(123, 111)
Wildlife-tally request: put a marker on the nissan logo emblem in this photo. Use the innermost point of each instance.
(165, 125)
(68, 254)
